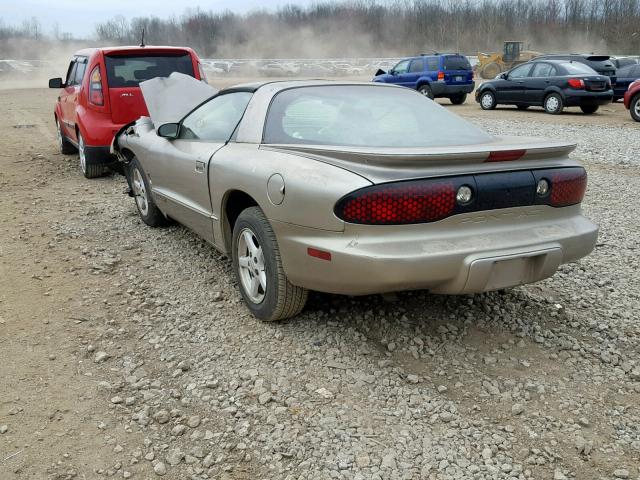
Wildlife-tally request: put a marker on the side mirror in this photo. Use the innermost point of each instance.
(56, 83)
(168, 130)
(504, 76)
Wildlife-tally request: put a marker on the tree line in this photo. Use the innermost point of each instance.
(382, 28)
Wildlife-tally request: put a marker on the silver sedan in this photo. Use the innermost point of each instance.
(357, 188)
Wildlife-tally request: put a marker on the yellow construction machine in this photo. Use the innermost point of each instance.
(492, 64)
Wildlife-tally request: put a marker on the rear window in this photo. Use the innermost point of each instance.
(364, 116)
(129, 71)
(575, 68)
(456, 63)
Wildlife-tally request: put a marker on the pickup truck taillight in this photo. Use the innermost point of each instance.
(96, 96)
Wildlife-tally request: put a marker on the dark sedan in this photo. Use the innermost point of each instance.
(551, 84)
(626, 76)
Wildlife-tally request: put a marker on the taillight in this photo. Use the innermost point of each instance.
(505, 155)
(568, 186)
(203, 77)
(399, 203)
(576, 83)
(95, 87)
(440, 75)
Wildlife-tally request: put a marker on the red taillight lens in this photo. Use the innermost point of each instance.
(399, 204)
(576, 83)
(95, 87)
(568, 187)
(505, 155)
(440, 75)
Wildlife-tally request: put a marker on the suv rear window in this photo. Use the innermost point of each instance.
(456, 63)
(129, 71)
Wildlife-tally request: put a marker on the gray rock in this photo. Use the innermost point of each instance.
(160, 469)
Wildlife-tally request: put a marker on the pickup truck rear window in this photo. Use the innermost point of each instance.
(129, 71)
(456, 63)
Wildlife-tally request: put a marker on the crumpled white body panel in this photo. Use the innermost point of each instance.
(169, 99)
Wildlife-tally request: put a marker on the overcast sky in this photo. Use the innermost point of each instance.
(80, 17)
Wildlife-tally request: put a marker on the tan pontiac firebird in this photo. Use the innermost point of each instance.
(355, 188)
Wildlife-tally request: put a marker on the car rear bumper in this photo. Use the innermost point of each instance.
(462, 254)
(577, 98)
(442, 89)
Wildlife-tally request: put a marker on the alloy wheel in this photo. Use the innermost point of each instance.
(552, 103)
(140, 192)
(253, 276)
(487, 100)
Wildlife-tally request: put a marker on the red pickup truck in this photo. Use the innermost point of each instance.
(101, 93)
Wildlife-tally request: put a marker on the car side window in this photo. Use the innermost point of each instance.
(520, 71)
(417, 66)
(401, 67)
(636, 71)
(543, 70)
(217, 119)
(432, 64)
(71, 74)
(81, 67)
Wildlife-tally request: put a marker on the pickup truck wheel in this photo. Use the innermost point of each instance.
(258, 268)
(64, 145)
(89, 170)
(634, 108)
(553, 104)
(147, 208)
(488, 100)
(426, 91)
(589, 109)
(458, 99)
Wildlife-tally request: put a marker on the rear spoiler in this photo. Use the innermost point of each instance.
(598, 58)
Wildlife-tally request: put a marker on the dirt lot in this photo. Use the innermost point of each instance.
(126, 351)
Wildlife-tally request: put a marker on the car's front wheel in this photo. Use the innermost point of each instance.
(553, 104)
(141, 189)
(89, 169)
(258, 267)
(589, 109)
(458, 99)
(426, 91)
(65, 146)
(488, 100)
(634, 108)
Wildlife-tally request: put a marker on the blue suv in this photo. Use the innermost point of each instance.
(439, 75)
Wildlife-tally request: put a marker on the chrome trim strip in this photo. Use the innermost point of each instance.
(197, 210)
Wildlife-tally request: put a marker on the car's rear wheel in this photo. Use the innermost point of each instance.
(258, 267)
(89, 169)
(426, 91)
(488, 100)
(634, 108)
(458, 99)
(147, 208)
(589, 109)
(65, 146)
(553, 104)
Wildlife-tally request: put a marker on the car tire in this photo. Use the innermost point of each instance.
(426, 91)
(488, 100)
(553, 104)
(65, 146)
(147, 208)
(259, 271)
(634, 108)
(88, 169)
(589, 109)
(458, 99)
(522, 107)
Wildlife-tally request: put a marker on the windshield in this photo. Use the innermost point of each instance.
(457, 62)
(129, 71)
(364, 116)
(578, 68)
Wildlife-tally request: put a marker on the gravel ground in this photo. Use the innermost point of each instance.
(180, 382)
